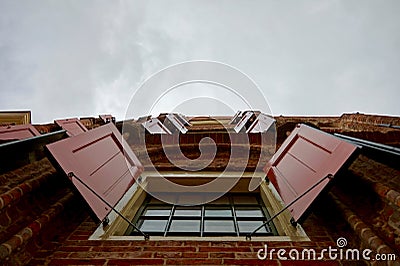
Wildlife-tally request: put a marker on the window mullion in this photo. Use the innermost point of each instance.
(169, 220)
(234, 216)
(202, 220)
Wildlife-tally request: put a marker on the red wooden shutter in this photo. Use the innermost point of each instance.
(97, 157)
(18, 132)
(242, 122)
(182, 119)
(107, 118)
(305, 157)
(72, 125)
(154, 126)
(262, 123)
(176, 122)
(235, 118)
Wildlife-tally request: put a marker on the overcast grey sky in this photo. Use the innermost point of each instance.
(82, 58)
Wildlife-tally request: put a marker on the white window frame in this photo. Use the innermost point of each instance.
(135, 196)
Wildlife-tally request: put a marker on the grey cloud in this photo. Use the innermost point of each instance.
(82, 58)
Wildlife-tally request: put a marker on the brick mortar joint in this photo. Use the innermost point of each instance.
(349, 213)
(43, 164)
(389, 191)
(41, 179)
(50, 213)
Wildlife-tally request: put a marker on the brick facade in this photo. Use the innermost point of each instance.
(44, 222)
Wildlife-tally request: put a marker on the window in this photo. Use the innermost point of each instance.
(15, 118)
(231, 215)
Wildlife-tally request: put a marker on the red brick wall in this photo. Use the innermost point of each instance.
(77, 250)
(42, 222)
(323, 227)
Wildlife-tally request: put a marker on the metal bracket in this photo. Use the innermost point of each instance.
(292, 221)
(146, 236)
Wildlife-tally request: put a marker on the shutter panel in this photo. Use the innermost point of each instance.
(304, 158)
(18, 132)
(242, 122)
(107, 119)
(97, 157)
(154, 126)
(262, 123)
(177, 123)
(72, 125)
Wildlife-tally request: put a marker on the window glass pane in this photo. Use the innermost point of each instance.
(153, 225)
(217, 212)
(214, 218)
(183, 211)
(238, 200)
(185, 226)
(248, 212)
(213, 226)
(250, 226)
(157, 211)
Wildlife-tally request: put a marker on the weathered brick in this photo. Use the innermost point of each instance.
(169, 243)
(309, 262)
(84, 255)
(196, 243)
(221, 254)
(303, 244)
(83, 232)
(398, 201)
(74, 248)
(37, 261)
(167, 254)
(247, 255)
(249, 262)
(5, 220)
(321, 238)
(118, 243)
(85, 243)
(367, 233)
(326, 244)
(35, 227)
(250, 244)
(278, 244)
(122, 262)
(224, 249)
(381, 190)
(68, 261)
(60, 254)
(138, 254)
(116, 249)
(392, 195)
(194, 255)
(223, 244)
(15, 193)
(170, 249)
(197, 261)
(5, 200)
(78, 237)
(25, 234)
